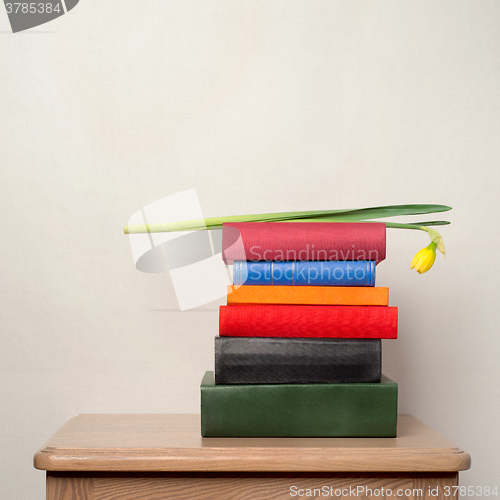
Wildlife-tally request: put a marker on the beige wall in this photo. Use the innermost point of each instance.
(261, 106)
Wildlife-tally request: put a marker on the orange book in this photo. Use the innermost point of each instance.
(308, 295)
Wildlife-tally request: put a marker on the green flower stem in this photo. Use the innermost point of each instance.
(208, 224)
(435, 237)
(354, 215)
(410, 226)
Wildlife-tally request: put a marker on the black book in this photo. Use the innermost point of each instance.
(279, 360)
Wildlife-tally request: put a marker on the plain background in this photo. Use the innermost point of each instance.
(261, 106)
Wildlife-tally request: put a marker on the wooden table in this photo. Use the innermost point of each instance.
(157, 457)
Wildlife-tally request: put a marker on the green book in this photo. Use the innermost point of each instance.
(299, 410)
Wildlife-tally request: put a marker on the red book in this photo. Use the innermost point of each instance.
(370, 322)
(303, 241)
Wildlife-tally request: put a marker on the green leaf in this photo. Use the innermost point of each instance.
(379, 212)
(432, 223)
(353, 215)
(417, 225)
(388, 224)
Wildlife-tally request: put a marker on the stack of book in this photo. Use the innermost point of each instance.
(299, 346)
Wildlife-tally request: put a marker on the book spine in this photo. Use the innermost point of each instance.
(299, 410)
(376, 322)
(303, 241)
(321, 273)
(308, 295)
(296, 360)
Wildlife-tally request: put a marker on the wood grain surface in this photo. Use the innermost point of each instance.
(220, 487)
(173, 443)
(70, 488)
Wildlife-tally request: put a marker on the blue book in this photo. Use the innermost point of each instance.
(315, 273)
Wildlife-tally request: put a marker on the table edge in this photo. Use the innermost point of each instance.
(253, 458)
(256, 460)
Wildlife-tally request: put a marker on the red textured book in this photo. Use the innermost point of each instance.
(303, 241)
(369, 322)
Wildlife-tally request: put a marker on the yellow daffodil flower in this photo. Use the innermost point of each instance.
(424, 259)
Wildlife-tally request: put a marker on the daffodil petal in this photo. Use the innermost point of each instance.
(428, 262)
(415, 260)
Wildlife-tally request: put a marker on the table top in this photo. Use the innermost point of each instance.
(154, 443)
